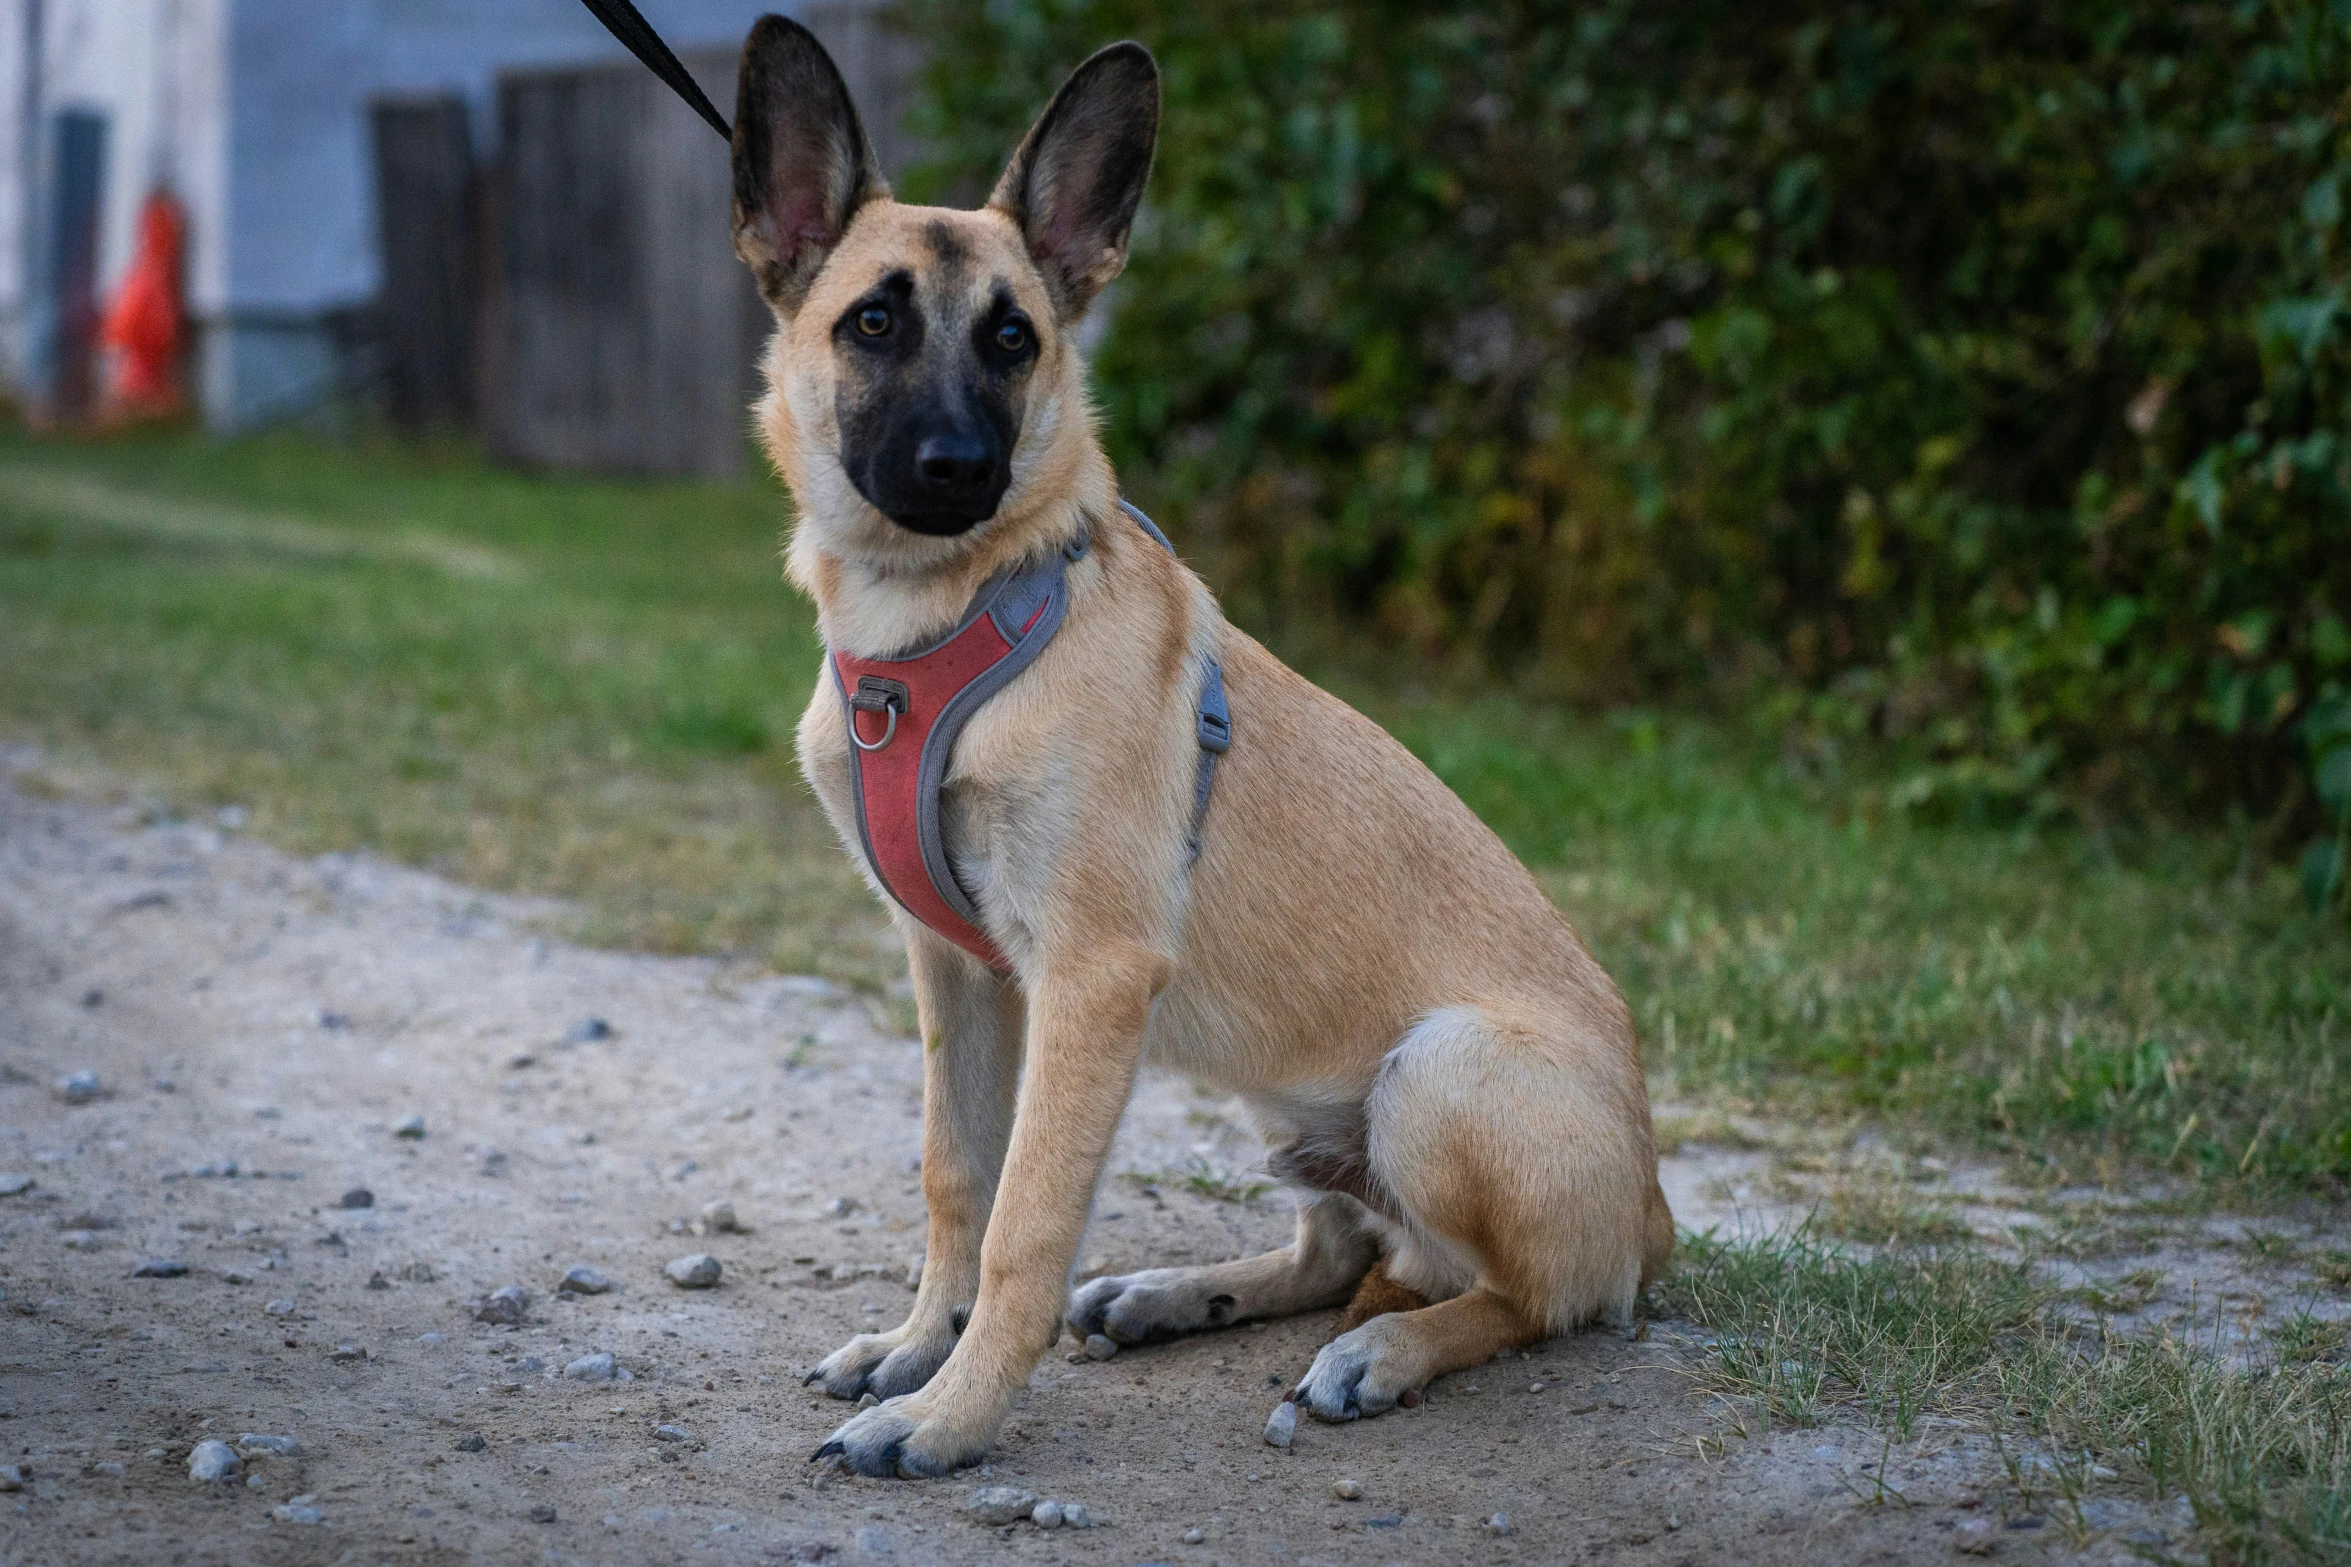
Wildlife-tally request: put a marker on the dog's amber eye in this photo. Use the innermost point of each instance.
(873, 321)
(1012, 336)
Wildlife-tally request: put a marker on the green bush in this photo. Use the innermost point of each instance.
(1971, 374)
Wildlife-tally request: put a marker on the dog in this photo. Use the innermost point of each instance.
(1447, 1078)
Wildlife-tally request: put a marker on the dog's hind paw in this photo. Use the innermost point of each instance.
(1143, 1308)
(883, 1364)
(1352, 1376)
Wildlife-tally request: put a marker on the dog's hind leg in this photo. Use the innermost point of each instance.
(971, 1028)
(1336, 1243)
(1511, 1144)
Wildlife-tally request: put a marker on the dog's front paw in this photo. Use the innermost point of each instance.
(903, 1439)
(883, 1364)
(1354, 1375)
(1142, 1308)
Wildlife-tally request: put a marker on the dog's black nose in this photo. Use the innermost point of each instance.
(955, 465)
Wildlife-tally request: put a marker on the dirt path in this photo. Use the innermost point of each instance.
(245, 1009)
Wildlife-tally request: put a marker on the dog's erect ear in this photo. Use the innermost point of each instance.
(1074, 184)
(802, 164)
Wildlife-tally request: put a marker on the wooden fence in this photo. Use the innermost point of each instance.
(579, 301)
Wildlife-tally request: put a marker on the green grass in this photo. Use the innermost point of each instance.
(1807, 1330)
(587, 688)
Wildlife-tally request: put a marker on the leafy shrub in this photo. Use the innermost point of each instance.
(1968, 374)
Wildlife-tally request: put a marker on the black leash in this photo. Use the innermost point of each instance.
(621, 19)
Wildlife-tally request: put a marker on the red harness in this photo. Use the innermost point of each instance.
(905, 713)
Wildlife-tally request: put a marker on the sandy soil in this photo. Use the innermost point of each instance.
(243, 1007)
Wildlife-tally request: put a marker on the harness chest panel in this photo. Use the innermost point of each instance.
(903, 716)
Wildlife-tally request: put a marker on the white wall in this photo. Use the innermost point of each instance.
(255, 112)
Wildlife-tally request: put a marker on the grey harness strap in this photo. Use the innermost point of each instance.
(1214, 729)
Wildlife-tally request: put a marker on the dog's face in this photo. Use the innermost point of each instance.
(923, 385)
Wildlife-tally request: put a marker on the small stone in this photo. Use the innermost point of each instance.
(411, 1127)
(79, 1240)
(1346, 1490)
(995, 1504)
(78, 1088)
(504, 1306)
(670, 1433)
(346, 1352)
(1046, 1515)
(471, 1442)
(1673, 1521)
(1975, 1537)
(587, 1031)
(1075, 1516)
(301, 1509)
(841, 1207)
(1195, 1537)
(868, 1400)
(1498, 1524)
(1534, 1387)
(377, 1281)
(334, 1022)
(357, 1197)
(697, 1272)
(278, 1308)
(583, 1280)
(15, 1183)
(599, 1367)
(543, 1513)
(108, 1468)
(250, 1443)
(1099, 1347)
(212, 1460)
(1282, 1424)
(13, 1477)
(718, 1218)
(432, 1338)
(159, 1268)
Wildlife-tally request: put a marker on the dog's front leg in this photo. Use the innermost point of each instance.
(1085, 1027)
(971, 1032)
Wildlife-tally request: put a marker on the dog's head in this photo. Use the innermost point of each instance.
(924, 388)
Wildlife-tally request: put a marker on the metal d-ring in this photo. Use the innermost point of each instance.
(875, 694)
(859, 740)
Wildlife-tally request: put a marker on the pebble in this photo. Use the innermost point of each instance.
(504, 1306)
(346, 1352)
(471, 1442)
(587, 1031)
(697, 1272)
(1975, 1537)
(1195, 1537)
(543, 1513)
(840, 1207)
(251, 1442)
(279, 1308)
(1282, 1424)
(1346, 1490)
(409, 1127)
(1534, 1387)
(79, 1240)
(301, 1509)
(1046, 1515)
(718, 1218)
(599, 1367)
(13, 1477)
(15, 1183)
(1100, 1347)
(1498, 1524)
(995, 1504)
(1075, 1516)
(583, 1280)
(669, 1433)
(432, 1338)
(78, 1088)
(212, 1460)
(159, 1268)
(357, 1197)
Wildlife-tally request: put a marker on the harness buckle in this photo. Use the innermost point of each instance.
(874, 694)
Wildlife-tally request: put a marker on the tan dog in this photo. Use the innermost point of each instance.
(1440, 1066)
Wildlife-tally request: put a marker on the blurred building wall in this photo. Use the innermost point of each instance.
(256, 114)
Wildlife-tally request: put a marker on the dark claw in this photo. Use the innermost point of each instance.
(829, 1450)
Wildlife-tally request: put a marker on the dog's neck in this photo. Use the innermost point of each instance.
(875, 605)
